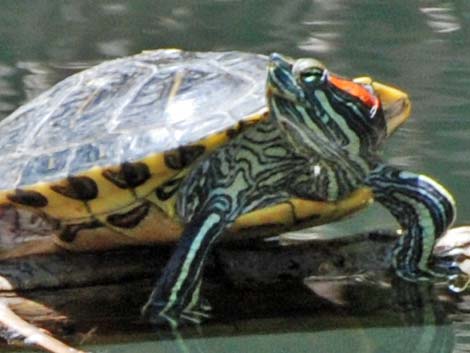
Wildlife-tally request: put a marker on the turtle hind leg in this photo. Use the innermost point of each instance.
(176, 297)
(424, 210)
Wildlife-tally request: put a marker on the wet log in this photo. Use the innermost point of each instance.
(71, 294)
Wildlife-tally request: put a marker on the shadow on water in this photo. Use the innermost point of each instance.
(422, 46)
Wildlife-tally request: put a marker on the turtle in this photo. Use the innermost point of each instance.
(189, 147)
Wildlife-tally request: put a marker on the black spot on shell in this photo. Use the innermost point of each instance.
(135, 174)
(78, 188)
(28, 198)
(129, 219)
(129, 175)
(183, 156)
(70, 231)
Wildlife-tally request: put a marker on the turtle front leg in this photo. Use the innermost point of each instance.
(424, 210)
(175, 298)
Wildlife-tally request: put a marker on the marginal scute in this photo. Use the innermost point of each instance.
(70, 231)
(79, 188)
(129, 175)
(28, 198)
(183, 156)
(129, 219)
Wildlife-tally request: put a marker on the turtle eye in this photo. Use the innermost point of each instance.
(309, 72)
(313, 76)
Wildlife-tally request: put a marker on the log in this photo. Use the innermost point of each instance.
(259, 262)
(71, 294)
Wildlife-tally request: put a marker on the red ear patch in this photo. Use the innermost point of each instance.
(355, 90)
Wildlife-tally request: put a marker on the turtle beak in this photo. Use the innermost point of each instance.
(396, 104)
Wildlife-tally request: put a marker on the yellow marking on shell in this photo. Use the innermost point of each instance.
(110, 197)
(300, 209)
(58, 206)
(278, 214)
(158, 227)
(162, 226)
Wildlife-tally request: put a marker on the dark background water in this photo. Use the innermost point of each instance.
(420, 46)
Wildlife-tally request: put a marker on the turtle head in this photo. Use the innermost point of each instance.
(312, 104)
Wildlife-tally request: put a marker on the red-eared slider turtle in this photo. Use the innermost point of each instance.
(170, 144)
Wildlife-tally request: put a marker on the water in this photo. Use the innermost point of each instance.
(420, 46)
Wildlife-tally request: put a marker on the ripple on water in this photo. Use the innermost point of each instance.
(8, 93)
(441, 18)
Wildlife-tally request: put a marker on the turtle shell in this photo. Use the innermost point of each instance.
(106, 148)
(126, 109)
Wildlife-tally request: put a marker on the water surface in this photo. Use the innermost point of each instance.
(420, 46)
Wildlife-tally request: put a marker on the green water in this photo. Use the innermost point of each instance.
(420, 46)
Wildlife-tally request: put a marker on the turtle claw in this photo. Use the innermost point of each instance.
(446, 265)
(438, 271)
(156, 314)
(162, 314)
(197, 313)
(421, 275)
(195, 316)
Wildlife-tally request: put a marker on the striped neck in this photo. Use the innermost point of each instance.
(345, 170)
(326, 135)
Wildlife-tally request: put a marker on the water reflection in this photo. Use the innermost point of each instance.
(7, 91)
(374, 318)
(325, 27)
(441, 17)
